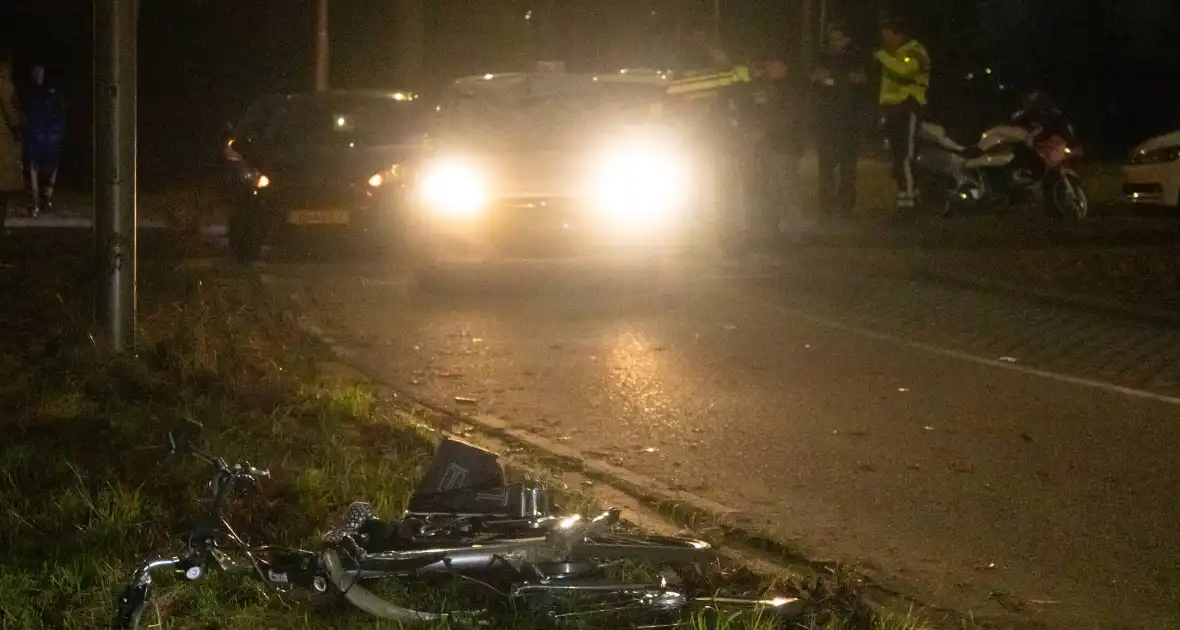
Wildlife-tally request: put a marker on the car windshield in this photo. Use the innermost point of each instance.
(340, 121)
(545, 120)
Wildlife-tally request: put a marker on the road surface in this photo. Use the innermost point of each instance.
(980, 453)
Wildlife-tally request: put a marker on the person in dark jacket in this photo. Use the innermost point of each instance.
(777, 115)
(1042, 118)
(838, 82)
(45, 124)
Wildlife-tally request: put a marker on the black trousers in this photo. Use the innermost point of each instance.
(837, 143)
(901, 128)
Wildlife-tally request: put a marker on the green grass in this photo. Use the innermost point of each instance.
(87, 489)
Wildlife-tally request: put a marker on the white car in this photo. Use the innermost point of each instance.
(1152, 174)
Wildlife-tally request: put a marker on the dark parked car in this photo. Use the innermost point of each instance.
(318, 163)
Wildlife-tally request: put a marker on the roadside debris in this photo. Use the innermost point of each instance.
(463, 400)
(729, 327)
(1009, 359)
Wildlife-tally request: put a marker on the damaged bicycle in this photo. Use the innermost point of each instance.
(465, 524)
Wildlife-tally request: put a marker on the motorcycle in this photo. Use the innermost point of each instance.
(990, 173)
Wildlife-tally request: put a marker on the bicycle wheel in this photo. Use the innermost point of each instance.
(379, 605)
(132, 603)
(620, 604)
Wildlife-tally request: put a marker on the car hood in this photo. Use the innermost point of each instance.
(312, 166)
(528, 173)
(1165, 141)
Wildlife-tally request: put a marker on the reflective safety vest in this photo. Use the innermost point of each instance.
(706, 85)
(905, 74)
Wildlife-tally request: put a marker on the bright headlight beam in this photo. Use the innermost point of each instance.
(453, 187)
(640, 184)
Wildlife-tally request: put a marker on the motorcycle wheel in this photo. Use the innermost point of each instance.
(1069, 197)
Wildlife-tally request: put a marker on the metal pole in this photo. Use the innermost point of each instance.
(806, 33)
(549, 31)
(410, 42)
(321, 46)
(115, 70)
(717, 23)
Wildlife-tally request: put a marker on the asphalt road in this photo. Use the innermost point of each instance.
(912, 430)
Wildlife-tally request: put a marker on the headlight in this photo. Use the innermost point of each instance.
(1156, 156)
(380, 179)
(261, 181)
(453, 187)
(641, 183)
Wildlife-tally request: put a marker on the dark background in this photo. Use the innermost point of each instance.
(1114, 64)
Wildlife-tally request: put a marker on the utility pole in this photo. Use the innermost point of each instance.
(717, 23)
(321, 46)
(807, 33)
(548, 31)
(115, 85)
(410, 16)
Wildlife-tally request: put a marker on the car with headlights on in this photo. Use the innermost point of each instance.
(1152, 173)
(317, 164)
(544, 165)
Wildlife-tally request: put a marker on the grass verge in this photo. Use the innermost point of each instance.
(87, 489)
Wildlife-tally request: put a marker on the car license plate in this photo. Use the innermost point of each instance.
(318, 217)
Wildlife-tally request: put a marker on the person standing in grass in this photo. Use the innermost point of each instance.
(11, 169)
(45, 126)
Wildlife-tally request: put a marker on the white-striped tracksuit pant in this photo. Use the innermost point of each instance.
(901, 128)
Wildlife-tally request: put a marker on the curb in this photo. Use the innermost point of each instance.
(1044, 297)
(683, 509)
(65, 222)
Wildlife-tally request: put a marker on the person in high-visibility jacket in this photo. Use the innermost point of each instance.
(905, 78)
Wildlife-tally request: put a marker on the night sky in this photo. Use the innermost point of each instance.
(203, 60)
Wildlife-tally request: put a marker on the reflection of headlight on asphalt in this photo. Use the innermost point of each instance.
(640, 187)
(453, 188)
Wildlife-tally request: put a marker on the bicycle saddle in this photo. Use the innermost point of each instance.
(366, 530)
